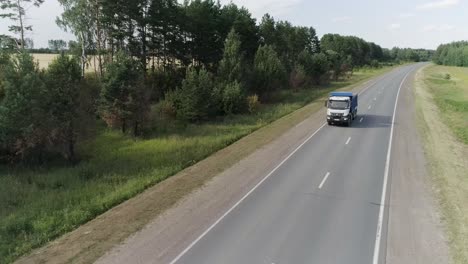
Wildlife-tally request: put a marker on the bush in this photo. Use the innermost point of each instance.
(375, 64)
(298, 77)
(447, 76)
(167, 109)
(194, 100)
(253, 103)
(233, 98)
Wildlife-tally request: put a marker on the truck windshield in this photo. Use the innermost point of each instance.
(339, 105)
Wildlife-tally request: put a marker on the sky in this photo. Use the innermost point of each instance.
(402, 23)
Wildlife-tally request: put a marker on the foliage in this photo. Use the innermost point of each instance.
(407, 54)
(15, 10)
(452, 54)
(288, 40)
(314, 65)
(25, 126)
(57, 44)
(253, 103)
(231, 67)
(69, 105)
(298, 77)
(269, 71)
(233, 98)
(194, 100)
(360, 51)
(124, 97)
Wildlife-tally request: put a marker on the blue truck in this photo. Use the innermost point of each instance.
(341, 108)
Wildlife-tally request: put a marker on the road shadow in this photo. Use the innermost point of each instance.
(370, 121)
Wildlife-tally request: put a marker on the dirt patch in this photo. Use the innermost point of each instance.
(90, 241)
(448, 165)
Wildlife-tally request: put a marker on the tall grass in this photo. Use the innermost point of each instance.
(40, 204)
(451, 96)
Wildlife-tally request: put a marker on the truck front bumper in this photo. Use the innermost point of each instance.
(337, 119)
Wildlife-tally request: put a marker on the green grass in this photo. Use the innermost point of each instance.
(451, 96)
(446, 147)
(40, 204)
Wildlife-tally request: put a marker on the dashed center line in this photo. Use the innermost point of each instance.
(370, 106)
(347, 141)
(375, 99)
(324, 180)
(362, 118)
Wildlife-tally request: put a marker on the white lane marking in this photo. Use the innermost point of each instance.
(375, 98)
(244, 197)
(362, 118)
(378, 236)
(380, 78)
(370, 106)
(324, 180)
(347, 141)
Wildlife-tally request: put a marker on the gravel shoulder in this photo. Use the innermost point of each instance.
(415, 232)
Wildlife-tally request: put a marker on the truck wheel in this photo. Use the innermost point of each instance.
(329, 123)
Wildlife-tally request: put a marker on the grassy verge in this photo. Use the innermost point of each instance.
(451, 96)
(37, 205)
(443, 118)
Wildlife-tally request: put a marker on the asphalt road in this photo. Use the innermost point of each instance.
(323, 204)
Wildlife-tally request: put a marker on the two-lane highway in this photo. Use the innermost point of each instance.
(325, 203)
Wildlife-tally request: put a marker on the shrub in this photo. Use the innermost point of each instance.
(194, 100)
(375, 64)
(298, 77)
(447, 76)
(253, 103)
(167, 109)
(233, 98)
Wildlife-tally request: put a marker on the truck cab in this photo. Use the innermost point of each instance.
(341, 108)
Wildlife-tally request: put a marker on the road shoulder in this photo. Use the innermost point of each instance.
(447, 155)
(415, 233)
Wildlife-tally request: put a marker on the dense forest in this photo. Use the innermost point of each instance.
(452, 54)
(199, 60)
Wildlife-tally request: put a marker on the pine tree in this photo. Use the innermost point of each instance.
(124, 98)
(25, 124)
(269, 71)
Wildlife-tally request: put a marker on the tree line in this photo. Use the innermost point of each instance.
(198, 60)
(452, 54)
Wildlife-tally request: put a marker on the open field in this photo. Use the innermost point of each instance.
(45, 59)
(40, 204)
(443, 119)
